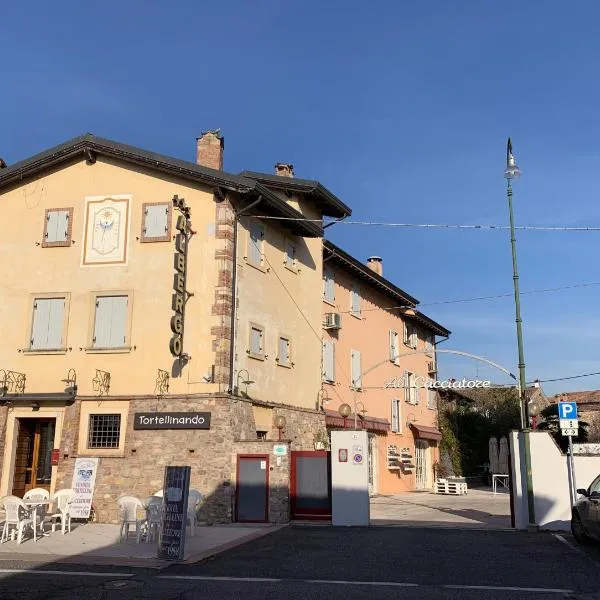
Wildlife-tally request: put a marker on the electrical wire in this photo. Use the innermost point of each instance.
(438, 225)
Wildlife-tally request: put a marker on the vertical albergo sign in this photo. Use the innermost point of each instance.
(180, 293)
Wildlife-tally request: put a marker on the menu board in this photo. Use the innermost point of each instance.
(171, 538)
(84, 480)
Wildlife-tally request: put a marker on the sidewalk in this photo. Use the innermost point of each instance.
(98, 544)
(480, 508)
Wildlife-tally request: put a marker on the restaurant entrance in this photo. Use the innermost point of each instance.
(33, 457)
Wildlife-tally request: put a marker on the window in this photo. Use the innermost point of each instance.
(102, 427)
(396, 428)
(410, 335)
(284, 358)
(411, 391)
(328, 361)
(104, 431)
(261, 435)
(329, 286)
(256, 240)
(57, 227)
(290, 256)
(394, 349)
(111, 320)
(355, 369)
(48, 324)
(355, 301)
(429, 344)
(431, 399)
(257, 348)
(156, 222)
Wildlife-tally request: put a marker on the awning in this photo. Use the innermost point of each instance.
(426, 433)
(334, 419)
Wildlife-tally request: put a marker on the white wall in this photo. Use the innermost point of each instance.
(550, 480)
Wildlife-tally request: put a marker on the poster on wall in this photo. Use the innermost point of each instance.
(84, 480)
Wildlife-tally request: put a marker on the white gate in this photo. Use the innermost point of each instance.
(421, 460)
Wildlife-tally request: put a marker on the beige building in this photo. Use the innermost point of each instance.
(378, 357)
(127, 275)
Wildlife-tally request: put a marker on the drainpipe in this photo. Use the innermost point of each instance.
(234, 293)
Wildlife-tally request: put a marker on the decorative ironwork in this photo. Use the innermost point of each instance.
(101, 382)
(11, 382)
(161, 386)
(71, 381)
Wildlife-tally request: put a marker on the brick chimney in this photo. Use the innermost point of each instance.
(209, 149)
(375, 263)
(284, 169)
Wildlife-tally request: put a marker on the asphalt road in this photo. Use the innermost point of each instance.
(324, 562)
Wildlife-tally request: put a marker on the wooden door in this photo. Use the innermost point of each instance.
(33, 459)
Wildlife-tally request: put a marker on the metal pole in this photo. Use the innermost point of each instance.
(572, 484)
(522, 380)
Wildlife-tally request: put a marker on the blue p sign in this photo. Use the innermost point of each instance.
(567, 410)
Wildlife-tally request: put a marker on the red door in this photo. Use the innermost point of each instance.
(311, 486)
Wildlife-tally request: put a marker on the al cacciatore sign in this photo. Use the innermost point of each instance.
(446, 384)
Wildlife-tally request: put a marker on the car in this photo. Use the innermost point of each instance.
(585, 516)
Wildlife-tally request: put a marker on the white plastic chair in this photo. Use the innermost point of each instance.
(62, 499)
(153, 505)
(128, 508)
(158, 494)
(194, 502)
(17, 518)
(42, 509)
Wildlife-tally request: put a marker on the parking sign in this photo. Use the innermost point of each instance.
(567, 410)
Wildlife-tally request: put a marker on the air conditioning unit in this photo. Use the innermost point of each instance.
(333, 321)
(431, 367)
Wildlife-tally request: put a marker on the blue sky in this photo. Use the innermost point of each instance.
(402, 109)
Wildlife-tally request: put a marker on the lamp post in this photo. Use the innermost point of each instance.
(345, 411)
(511, 172)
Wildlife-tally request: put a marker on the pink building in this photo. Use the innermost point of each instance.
(378, 357)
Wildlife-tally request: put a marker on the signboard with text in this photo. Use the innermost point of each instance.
(171, 538)
(83, 483)
(172, 420)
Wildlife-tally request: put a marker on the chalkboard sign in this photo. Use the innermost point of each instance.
(171, 538)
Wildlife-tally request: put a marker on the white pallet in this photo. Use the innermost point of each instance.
(455, 488)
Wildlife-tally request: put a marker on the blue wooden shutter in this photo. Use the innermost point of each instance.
(328, 361)
(55, 322)
(102, 322)
(57, 226)
(395, 415)
(156, 220)
(118, 321)
(393, 345)
(406, 386)
(255, 243)
(39, 329)
(356, 369)
(284, 350)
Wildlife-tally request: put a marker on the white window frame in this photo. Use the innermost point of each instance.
(256, 355)
(355, 294)
(394, 343)
(329, 285)
(396, 406)
(328, 377)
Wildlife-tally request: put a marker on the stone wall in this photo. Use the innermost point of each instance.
(301, 426)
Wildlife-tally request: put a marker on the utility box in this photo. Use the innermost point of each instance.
(350, 478)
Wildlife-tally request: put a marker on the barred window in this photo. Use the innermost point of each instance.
(104, 431)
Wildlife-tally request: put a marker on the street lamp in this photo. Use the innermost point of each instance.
(511, 172)
(345, 411)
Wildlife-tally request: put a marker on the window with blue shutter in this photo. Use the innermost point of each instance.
(56, 229)
(110, 324)
(329, 286)
(156, 222)
(328, 361)
(356, 369)
(283, 354)
(256, 341)
(47, 324)
(256, 238)
(355, 301)
(394, 349)
(396, 415)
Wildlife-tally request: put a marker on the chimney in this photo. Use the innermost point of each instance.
(3, 165)
(375, 263)
(284, 169)
(209, 149)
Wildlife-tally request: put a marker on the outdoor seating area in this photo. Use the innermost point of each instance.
(30, 517)
(145, 516)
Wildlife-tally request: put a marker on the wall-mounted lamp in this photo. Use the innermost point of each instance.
(345, 410)
(280, 423)
(71, 381)
(246, 381)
